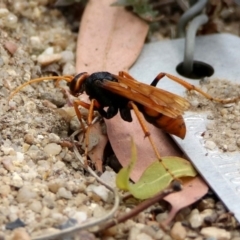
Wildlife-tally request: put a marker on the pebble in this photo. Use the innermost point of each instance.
(26, 194)
(55, 184)
(101, 191)
(64, 193)
(67, 56)
(143, 236)
(69, 69)
(80, 216)
(53, 138)
(16, 180)
(220, 234)
(4, 190)
(178, 232)
(20, 234)
(11, 47)
(195, 219)
(52, 149)
(210, 145)
(36, 206)
(48, 59)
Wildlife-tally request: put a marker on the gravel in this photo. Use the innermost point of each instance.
(43, 187)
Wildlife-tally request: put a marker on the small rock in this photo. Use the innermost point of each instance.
(16, 181)
(69, 69)
(143, 236)
(11, 47)
(67, 56)
(4, 190)
(210, 145)
(80, 217)
(20, 234)
(101, 191)
(207, 203)
(98, 211)
(54, 185)
(53, 138)
(36, 206)
(64, 193)
(16, 224)
(29, 138)
(3, 12)
(7, 163)
(48, 59)
(195, 219)
(235, 126)
(162, 216)
(49, 200)
(220, 234)
(26, 194)
(178, 232)
(52, 149)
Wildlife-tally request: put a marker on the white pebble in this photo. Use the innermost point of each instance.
(210, 145)
(101, 191)
(67, 56)
(69, 69)
(80, 217)
(36, 206)
(52, 149)
(178, 232)
(3, 12)
(26, 194)
(16, 180)
(216, 233)
(48, 59)
(10, 21)
(64, 193)
(195, 219)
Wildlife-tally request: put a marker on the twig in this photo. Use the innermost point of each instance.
(139, 208)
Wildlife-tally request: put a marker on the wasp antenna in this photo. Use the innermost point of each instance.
(55, 78)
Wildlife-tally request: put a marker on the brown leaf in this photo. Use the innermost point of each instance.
(119, 133)
(110, 38)
(193, 190)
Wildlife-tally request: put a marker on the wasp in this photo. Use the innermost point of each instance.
(109, 94)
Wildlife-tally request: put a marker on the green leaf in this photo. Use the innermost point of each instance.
(122, 178)
(155, 178)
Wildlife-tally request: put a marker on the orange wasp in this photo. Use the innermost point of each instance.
(110, 94)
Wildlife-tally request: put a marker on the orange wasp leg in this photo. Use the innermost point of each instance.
(90, 107)
(147, 134)
(191, 87)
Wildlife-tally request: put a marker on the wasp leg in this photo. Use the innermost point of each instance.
(191, 87)
(147, 134)
(91, 107)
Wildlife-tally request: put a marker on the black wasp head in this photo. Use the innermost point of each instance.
(77, 85)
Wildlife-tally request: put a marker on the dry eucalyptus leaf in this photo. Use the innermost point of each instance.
(120, 132)
(110, 39)
(193, 190)
(98, 141)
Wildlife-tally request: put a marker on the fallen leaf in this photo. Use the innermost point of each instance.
(110, 38)
(96, 154)
(119, 133)
(155, 178)
(193, 190)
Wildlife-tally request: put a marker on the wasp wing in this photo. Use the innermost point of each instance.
(151, 97)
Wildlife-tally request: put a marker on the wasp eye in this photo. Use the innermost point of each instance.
(77, 84)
